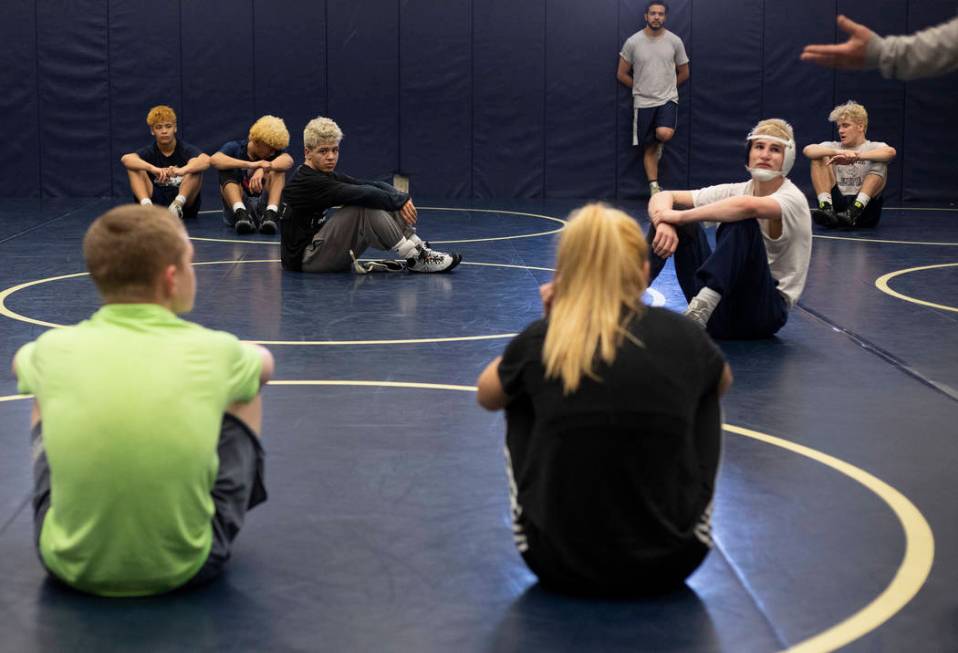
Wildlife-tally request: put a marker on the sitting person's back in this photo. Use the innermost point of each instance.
(613, 434)
(134, 428)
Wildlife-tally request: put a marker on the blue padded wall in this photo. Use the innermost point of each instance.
(74, 100)
(468, 98)
(20, 173)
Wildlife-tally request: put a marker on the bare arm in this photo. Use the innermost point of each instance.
(847, 157)
(816, 151)
(624, 73)
(681, 74)
(731, 209)
(134, 163)
(282, 163)
(489, 392)
(667, 200)
(268, 363)
(221, 161)
(195, 165)
(725, 381)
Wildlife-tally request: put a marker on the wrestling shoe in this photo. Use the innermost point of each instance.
(699, 311)
(825, 216)
(268, 225)
(429, 260)
(854, 212)
(243, 224)
(176, 210)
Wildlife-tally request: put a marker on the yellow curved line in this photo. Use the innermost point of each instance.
(911, 574)
(424, 208)
(908, 580)
(885, 242)
(882, 284)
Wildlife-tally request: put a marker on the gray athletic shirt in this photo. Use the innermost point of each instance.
(850, 177)
(653, 62)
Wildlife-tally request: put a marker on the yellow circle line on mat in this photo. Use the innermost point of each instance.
(424, 208)
(909, 577)
(911, 574)
(882, 284)
(886, 242)
(658, 300)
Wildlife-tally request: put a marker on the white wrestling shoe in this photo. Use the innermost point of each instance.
(429, 260)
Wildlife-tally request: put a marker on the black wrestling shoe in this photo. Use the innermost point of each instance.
(854, 213)
(825, 216)
(268, 225)
(243, 224)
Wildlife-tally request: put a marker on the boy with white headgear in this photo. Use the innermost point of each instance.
(756, 273)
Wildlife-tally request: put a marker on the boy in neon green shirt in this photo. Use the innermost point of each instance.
(145, 426)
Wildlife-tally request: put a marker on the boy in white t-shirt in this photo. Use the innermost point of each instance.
(849, 175)
(756, 273)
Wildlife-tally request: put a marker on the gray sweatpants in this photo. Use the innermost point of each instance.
(353, 228)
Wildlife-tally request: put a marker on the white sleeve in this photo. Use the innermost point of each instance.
(681, 58)
(711, 194)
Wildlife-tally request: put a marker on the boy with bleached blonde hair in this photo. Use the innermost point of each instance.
(169, 171)
(849, 175)
(316, 237)
(252, 176)
(756, 273)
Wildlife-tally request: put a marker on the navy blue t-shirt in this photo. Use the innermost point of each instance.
(237, 150)
(181, 155)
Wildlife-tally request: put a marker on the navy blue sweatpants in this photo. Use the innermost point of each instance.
(737, 269)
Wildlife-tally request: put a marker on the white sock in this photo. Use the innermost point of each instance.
(863, 199)
(416, 240)
(273, 207)
(180, 200)
(146, 201)
(237, 206)
(824, 198)
(406, 248)
(653, 185)
(708, 297)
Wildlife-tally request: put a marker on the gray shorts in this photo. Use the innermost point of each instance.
(238, 488)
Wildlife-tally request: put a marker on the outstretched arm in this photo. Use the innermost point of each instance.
(847, 55)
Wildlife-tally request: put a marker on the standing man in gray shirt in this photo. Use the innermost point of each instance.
(653, 63)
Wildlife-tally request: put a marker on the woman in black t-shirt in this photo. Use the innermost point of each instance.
(613, 422)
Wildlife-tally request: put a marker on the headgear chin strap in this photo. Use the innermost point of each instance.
(764, 174)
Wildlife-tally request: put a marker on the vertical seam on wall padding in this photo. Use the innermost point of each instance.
(615, 104)
(109, 100)
(326, 54)
(762, 112)
(688, 156)
(904, 111)
(470, 190)
(545, 94)
(36, 44)
(252, 13)
(179, 21)
(399, 165)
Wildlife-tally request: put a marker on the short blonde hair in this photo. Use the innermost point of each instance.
(774, 127)
(160, 113)
(127, 248)
(851, 110)
(599, 280)
(271, 132)
(321, 130)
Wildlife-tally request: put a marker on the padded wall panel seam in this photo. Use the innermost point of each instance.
(20, 172)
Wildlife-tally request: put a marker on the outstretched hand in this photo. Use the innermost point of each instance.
(849, 55)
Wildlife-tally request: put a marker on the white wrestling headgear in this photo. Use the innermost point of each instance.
(763, 174)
